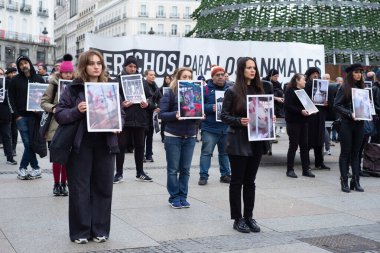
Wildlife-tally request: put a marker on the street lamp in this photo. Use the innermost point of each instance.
(45, 32)
(151, 32)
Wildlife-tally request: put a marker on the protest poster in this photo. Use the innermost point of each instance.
(373, 111)
(260, 111)
(62, 86)
(103, 107)
(219, 97)
(306, 101)
(2, 89)
(133, 88)
(361, 104)
(34, 95)
(190, 99)
(319, 91)
(368, 84)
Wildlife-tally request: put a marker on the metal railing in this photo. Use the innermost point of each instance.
(43, 12)
(12, 6)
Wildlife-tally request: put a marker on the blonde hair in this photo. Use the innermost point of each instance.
(176, 76)
(83, 62)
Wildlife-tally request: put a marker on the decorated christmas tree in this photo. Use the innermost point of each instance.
(349, 30)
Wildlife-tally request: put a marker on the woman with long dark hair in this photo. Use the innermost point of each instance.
(244, 156)
(296, 127)
(351, 130)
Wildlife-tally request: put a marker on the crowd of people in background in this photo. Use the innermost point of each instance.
(97, 159)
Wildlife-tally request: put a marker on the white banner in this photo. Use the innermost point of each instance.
(165, 54)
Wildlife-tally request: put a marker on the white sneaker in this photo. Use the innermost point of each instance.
(81, 241)
(22, 174)
(35, 173)
(100, 239)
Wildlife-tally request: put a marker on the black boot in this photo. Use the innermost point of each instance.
(355, 184)
(344, 184)
(56, 189)
(64, 191)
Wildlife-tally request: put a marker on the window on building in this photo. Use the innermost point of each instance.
(143, 10)
(174, 11)
(187, 29)
(142, 28)
(174, 30)
(24, 51)
(160, 12)
(40, 56)
(160, 29)
(187, 12)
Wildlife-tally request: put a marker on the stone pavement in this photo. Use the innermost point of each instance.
(296, 215)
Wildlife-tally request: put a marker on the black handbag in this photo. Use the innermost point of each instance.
(45, 123)
(62, 142)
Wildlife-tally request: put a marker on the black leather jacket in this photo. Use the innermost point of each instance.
(343, 106)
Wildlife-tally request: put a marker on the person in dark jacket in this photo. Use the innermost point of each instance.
(150, 76)
(213, 132)
(136, 123)
(18, 91)
(278, 92)
(316, 122)
(165, 84)
(244, 156)
(9, 74)
(296, 127)
(376, 101)
(179, 142)
(5, 121)
(91, 162)
(351, 130)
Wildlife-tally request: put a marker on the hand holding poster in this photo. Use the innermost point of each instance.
(306, 101)
(35, 92)
(103, 107)
(133, 88)
(62, 86)
(2, 89)
(320, 91)
(361, 104)
(219, 96)
(190, 99)
(260, 111)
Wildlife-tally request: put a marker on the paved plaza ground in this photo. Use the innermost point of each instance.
(296, 215)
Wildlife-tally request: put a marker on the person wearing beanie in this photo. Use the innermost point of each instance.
(49, 101)
(351, 130)
(17, 95)
(278, 92)
(316, 134)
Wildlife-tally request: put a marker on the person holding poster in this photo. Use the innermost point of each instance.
(351, 130)
(213, 132)
(17, 94)
(296, 127)
(244, 156)
(179, 142)
(48, 102)
(92, 159)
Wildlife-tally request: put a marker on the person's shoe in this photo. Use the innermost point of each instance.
(274, 141)
(81, 241)
(344, 184)
(56, 189)
(143, 178)
(63, 189)
(241, 226)
(364, 174)
(202, 181)
(11, 161)
(99, 239)
(22, 174)
(307, 173)
(251, 223)
(355, 184)
(176, 205)
(118, 179)
(225, 179)
(291, 173)
(149, 159)
(36, 173)
(322, 167)
(185, 204)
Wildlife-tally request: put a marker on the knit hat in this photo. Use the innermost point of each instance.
(312, 70)
(10, 70)
(67, 65)
(272, 72)
(216, 69)
(353, 67)
(129, 60)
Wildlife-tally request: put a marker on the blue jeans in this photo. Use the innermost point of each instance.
(28, 157)
(179, 153)
(209, 140)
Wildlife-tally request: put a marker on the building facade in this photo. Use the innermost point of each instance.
(113, 18)
(27, 28)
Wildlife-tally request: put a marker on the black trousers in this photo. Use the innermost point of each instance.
(137, 136)
(149, 142)
(318, 155)
(351, 137)
(14, 132)
(90, 180)
(5, 136)
(298, 136)
(243, 174)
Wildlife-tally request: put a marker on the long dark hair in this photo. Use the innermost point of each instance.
(293, 81)
(164, 84)
(240, 86)
(351, 83)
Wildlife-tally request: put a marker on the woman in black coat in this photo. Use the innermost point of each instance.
(351, 130)
(244, 156)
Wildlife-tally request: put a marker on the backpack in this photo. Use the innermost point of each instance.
(371, 158)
